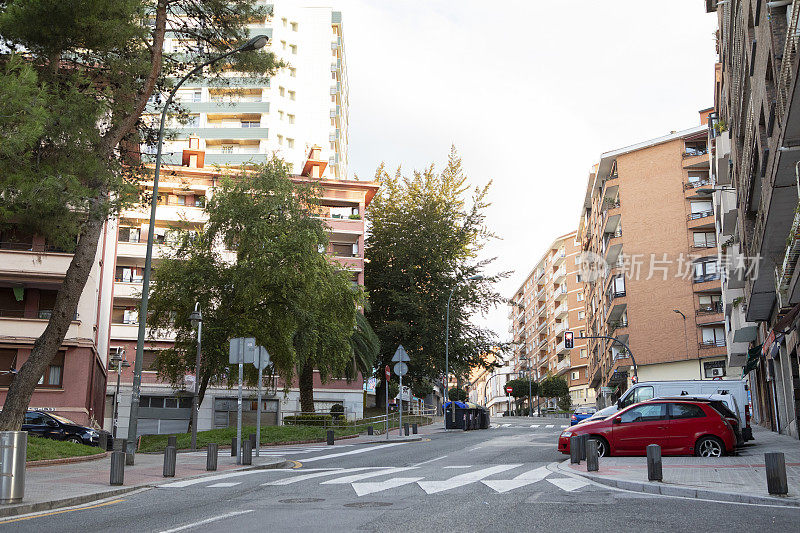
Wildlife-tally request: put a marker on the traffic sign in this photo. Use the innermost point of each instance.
(509, 389)
(569, 340)
(400, 368)
(400, 355)
(242, 350)
(262, 359)
(388, 373)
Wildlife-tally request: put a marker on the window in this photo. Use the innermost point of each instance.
(700, 209)
(291, 119)
(705, 239)
(280, 139)
(639, 395)
(583, 353)
(578, 278)
(580, 296)
(283, 21)
(283, 45)
(293, 48)
(706, 271)
(53, 375)
(710, 303)
(714, 369)
(650, 412)
(280, 115)
(291, 95)
(128, 234)
(294, 26)
(226, 149)
(281, 91)
(36, 419)
(197, 96)
(576, 375)
(8, 361)
(686, 410)
(199, 201)
(180, 200)
(714, 336)
(290, 143)
(581, 315)
(251, 124)
(292, 72)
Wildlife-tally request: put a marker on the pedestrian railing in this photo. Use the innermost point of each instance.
(379, 423)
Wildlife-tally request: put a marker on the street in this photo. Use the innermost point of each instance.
(501, 479)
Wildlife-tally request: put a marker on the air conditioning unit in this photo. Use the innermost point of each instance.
(717, 372)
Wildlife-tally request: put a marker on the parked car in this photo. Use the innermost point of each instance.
(680, 427)
(581, 413)
(725, 404)
(52, 426)
(647, 390)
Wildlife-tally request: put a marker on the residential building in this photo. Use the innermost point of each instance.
(655, 285)
(757, 132)
(247, 119)
(547, 304)
(488, 387)
(184, 191)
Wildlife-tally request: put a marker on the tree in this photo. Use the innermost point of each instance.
(72, 122)
(456, 394)
(426, 231)
(554, 387)
(280, 290)
(565, 402)
(365, 346)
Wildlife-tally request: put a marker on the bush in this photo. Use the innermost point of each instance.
(457, 395)
(307, 420)
(337, 411)
(564, 403)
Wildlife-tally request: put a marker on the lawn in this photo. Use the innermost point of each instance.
(269, 435)
(39, 449)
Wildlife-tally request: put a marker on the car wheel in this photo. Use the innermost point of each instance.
(709, 447)
(602, 446)
(75, 439)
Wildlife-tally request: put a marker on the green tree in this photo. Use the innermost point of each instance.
(554, 387)
(280, 290)
(457, 394)
(72, 122)
(565, 402)
(426, 231)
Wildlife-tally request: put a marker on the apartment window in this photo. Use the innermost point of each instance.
(581, 315)
(199, 201)
(584, 353)
(251, 124)
(127, 234)
(713, 336)
(711, 303)
(180, 200)
(294, 26)
(291, 119)
(52, 377)
(714, 369)
(197, 96)
(291, 95)
(292, 72)
(578, 278)
(700, 209)
(226, 149)
(576, 375)
(706, 271)
(284, 21)
(290, 143)
(280, 115)
(8, 361)
(130, 316)
(281, 91)
(283, 45)
(580, 296)
(280, 139)
(704, 239)
(293, 48)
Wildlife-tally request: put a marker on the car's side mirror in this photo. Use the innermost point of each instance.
(616, 420)
(619, 404)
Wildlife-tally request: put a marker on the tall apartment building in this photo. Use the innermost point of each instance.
(649, 219)
(303, 105)
(548, 303)
(184, 191)
(756, 135)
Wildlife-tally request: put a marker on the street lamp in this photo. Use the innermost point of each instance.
(685, 335)
(447, 343)
(255, 43)
(197, 321)
(117, 358)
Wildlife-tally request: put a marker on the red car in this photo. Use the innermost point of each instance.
(679, 427)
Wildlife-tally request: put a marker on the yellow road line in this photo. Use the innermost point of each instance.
(60, 512)
(297, 464)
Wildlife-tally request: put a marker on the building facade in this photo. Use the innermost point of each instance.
(756, 135)
(652, 265)
(547, 304)
(306, 104)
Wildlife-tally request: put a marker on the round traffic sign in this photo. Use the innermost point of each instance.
(388, 372)
(401, 369)
(509, 390)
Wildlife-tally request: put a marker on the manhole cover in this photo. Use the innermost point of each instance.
(302, 500)
(362, 505)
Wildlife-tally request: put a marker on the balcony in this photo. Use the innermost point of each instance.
(709, 309)
(559, 275)
(15, 326)
(559, 256)
(561, 348)
(712, 343)
(170, 213)
(694, 184)
(130, 332)
(562, 366)
(350, 263)
(127, 290)
(138, 250)
(706, 277)
(24, 263)
(561, 292)
(561, 311)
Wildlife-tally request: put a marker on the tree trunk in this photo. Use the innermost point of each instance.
(306, 385)
(47, 345)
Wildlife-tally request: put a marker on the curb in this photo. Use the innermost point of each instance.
(65, 460)
(683, 491)
(272, 444)
(26, 508)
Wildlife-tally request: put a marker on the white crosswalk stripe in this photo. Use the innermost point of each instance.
(564, 427)
(526, 478)
(297, 479)
(358, 477)
(363, 489)
(432, 487)
(223, 485)
(548, 426)
(534, 425)
(568, 484)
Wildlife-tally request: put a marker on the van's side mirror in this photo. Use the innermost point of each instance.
(616, 420)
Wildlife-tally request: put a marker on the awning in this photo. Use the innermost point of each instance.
(753, 355)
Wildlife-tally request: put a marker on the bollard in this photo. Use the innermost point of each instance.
(575, 449)
(247, 452)
(117, 467)
(592, 459)
(233, 447)
(465, 426)
(330, 437)
(370, 430)
(776, 473)
(405, 429)
(414, 429)
(129, 459)
(170, 456)
(172, 440)
(253, 441)
(212, 453)
(654, 471)
(582, 448)
(120, 445)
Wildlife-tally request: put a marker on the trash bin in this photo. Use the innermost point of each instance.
(460, 409)
(484, 419)
(13, 451)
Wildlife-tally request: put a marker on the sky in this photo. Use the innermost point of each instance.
(530, 92)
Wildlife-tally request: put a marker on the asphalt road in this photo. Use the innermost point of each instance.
(499, 479)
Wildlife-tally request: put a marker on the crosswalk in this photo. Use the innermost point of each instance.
(284, 451)
(531, 426)
(500, 478)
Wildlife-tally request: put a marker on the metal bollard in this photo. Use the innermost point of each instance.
(13, 452)
(120, 445)
(465, 426)
(575, 449)
(247, 452)
(592, 459)
(212, 453)
(253, 440)
(330, 437)
(170, 456)
(370, 430)
(414, 429)
(405, 429)
(129, 459)
(776, 473)
(117, 468)
(172, 440)
(233, 447)
(582, 448)
(654, 471)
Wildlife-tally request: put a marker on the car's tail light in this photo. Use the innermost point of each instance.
(747, 415)
(574, 417)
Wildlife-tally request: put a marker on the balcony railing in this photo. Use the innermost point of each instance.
(712, 343)
(616, 324)
(699, 214)
(697, 183)
(29, 247)
(709, 309)
(612, 295)
(693, 152)
(610, 203)
(12, 313)
(706, 277)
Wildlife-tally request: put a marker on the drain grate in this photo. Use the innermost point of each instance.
(367, 505)
(302, 500)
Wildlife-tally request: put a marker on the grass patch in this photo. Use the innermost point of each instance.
(40, 449)
(269, 435)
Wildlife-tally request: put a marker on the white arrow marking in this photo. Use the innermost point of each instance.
(463, 479)
(568, 483)
(526, 478)
(358, 477)
(377, 486)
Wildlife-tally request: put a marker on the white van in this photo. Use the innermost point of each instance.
(646, 390)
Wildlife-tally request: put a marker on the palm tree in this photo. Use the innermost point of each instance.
(364, 345)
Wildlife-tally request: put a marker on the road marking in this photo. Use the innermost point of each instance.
(548, 426)
(358, 477)
(207, 521)
(458, 466)
(51, 513)
(297, 479)
(223, 485)
(217, 477)
(430, 461)
(368, 488)
(506, 425)
(351, 452)
(432, 487)
(564, 427)
(526, 478)
(535, 425)
(568, 484)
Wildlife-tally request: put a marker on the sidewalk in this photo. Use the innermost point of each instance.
(64, 485)
(741, 478)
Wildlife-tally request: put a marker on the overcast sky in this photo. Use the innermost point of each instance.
(531, 92)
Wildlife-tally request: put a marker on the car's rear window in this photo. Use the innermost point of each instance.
(723, 409)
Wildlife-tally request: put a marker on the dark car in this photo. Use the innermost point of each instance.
(51, 426)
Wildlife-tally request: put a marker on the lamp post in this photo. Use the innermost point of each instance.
(685, 335)
(447, 343)
(197, 321)
(117, 358)
(255, 43)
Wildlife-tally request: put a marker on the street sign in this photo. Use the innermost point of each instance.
(262, 359)
(401, 369)
(387, 373)
(509, 390)
(400, 355)
(569, 340)
(248, 355)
